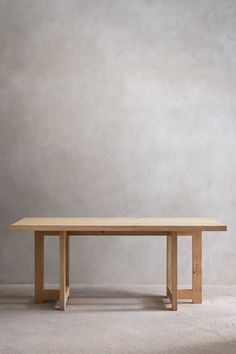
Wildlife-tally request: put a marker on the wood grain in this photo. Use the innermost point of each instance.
(63, 271)
(174, 272)
(39, 267)
(197, 267)
(168, 264)
(123, 225)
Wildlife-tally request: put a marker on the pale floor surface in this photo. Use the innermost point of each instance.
(121, 319)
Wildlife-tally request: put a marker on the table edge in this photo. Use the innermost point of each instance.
(132, 229)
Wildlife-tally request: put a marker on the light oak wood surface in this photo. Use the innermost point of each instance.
(63, 261)
(39, 267)
(169, 227)
(99, 224)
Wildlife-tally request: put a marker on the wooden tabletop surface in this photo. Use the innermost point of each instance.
(116, 224)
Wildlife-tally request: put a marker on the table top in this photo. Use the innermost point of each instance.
(116, 224)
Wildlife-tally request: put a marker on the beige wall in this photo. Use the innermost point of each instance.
(117, 108)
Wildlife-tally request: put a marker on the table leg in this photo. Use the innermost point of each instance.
(197, 267)
(38, 267)
(168, 266)
(171, 265)
(68, 264)
(62, 291)
(174, 285)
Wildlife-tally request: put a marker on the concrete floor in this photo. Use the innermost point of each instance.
(117, 320)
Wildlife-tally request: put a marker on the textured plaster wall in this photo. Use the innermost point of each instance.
(117, 108)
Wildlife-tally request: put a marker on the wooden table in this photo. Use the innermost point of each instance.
(169, 227)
